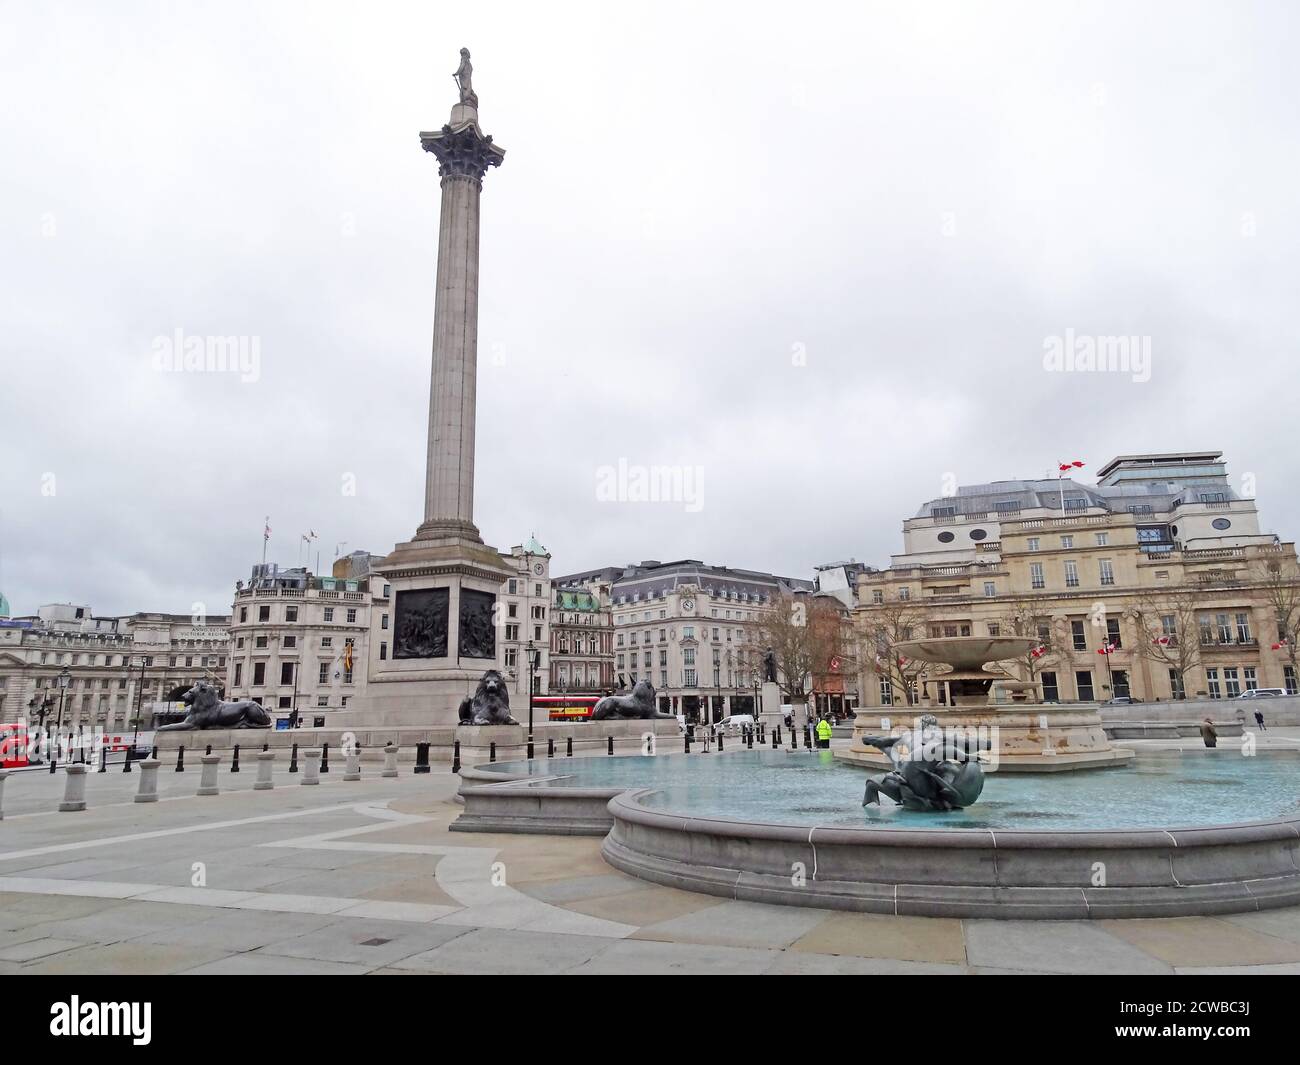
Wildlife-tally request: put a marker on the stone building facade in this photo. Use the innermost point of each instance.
(687, 627)
(114, 664)
(582, 640)
(1161, 566)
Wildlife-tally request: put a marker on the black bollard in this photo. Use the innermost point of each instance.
(550, 746)
(775, 740)
(54, 761)
(794, 739)
(568, 747)
(422, 756)
(180, 759)
(529, 756)
(492, 751)
(103, 759)
(610, 746)
(293, 759)
(455, 757)
(807, 737)
(325, 758)
(153, 755)
(265, 747)
(719, 741)
(234, 760)
(126, 762)
(686, 738)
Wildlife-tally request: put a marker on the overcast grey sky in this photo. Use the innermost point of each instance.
(814, 250)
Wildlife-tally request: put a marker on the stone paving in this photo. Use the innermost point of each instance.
(364, 877)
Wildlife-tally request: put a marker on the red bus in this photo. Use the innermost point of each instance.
(566, 707)
(13, 745)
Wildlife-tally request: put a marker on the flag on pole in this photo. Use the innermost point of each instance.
(266, 531)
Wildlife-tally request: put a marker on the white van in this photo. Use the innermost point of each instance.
(734, 725)
(1262, 693)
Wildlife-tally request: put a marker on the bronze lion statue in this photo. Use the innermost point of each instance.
(208, 711)
(639, 705)
(490, 704)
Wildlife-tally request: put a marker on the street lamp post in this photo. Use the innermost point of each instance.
(63, 680)
(138, 660)
(534, 660)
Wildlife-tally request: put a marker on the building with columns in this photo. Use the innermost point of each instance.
(687, 627)
(1161, 565)
(113, 664)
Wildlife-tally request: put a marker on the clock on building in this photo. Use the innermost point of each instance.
(688, 605)
(537, 568)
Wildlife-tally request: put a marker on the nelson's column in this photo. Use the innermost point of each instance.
(445, 579)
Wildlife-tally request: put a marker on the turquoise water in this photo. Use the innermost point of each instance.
(1165, 789)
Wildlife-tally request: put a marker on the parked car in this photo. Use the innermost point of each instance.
(1262, 693)
(734, 725)
(1119, 700)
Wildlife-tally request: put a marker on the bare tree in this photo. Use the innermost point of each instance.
(1281, 587)
(884, 626)
(1168, 631)
(804, 632)
(1024, 617)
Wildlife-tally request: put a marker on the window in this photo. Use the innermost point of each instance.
(260, 641)
(886, 692)
(263, 613)
(688, 656)
(1243, 628)
(1076, 503)
(539, 613)
(1112, 632)
(322, 700)
(512, 657)
(995, 629)
(1176, 685)
(1078, 635)
(512, 633)
(290, 642)
(512, 586)
(327, 641)
(905, 593)
(1169, 628)
(243, 616)
(1224, 629)
(1083, 681)
(1036, 575)
(688, 678)
(259, 674)
(1288, 675)
(322, 672)
(1050, 692)
(1107, 571)
(990, 589)
(286, 672)
(1231, 683)
(239, 674)
(1250, 678)
(1120, 679)
(352, 615)
(1067, 541)
(291, 613)
(1032, 543)
(284, 702)
(1212, 683)
(877, 595)
(383, 621)
(1103, 539)
(1072, 574)
(383, 651)
(329, 613)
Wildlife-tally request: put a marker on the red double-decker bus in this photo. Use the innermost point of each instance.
(13, 745)
(566, 707)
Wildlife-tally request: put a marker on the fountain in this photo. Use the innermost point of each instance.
(1020, 734)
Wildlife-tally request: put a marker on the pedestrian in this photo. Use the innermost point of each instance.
(1208, 734)
(1259, 720)
(823, 733)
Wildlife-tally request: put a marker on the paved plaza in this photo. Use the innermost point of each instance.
(364, 877)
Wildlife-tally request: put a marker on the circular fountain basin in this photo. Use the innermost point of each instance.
(1174, 834)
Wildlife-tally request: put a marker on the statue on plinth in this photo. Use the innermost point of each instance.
(490, 704)
(769, 666)
(924, 777)
(206, 710)
(640, 705)
(465, 80)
